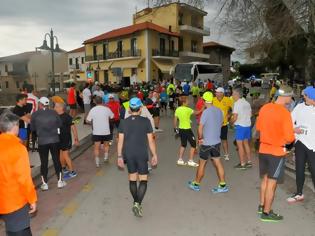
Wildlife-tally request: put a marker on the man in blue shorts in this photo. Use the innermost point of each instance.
(241, 119)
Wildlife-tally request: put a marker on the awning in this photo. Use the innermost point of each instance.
(134, 63)
(102, 65)
(165, 67)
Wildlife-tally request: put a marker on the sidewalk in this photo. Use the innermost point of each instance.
(84, 132)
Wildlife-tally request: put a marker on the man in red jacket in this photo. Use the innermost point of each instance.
(114, 106)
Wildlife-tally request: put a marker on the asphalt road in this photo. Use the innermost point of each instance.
(98, 202)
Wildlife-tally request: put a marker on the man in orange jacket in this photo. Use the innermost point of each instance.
(17, 192)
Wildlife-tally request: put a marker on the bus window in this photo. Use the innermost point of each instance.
(183, 72)
(209, 69)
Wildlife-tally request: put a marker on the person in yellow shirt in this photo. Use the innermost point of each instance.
(225, 104)
(195, 92)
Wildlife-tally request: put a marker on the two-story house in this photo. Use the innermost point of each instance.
(139, 52)
(76, 64)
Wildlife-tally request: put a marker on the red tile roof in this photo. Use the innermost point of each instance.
(81, 49)
(130, 30)
(215, 44)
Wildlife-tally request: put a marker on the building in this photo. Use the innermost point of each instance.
(76, 65)
(31, 68)
(219, 54)
(159, 38)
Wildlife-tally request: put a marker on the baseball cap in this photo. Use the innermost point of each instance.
(44, 101)
(208, 97)
(220, 90)
(111, 95)
(310, 92)
(135, 103)
(285, 91)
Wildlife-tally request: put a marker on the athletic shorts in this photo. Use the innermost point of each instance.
(73, 106)
(137, 164)
(23, 134)
(101, 138)
(212, 151)
(65, 145)
(242, 133)
(164, 105)
(224, 132)
(17, 220)
(87, 108)
(272, 166)
(186, 135)
(155, 112)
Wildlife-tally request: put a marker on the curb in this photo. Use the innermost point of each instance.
(75, 152)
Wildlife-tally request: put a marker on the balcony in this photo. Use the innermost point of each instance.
(19, 74)
(76, 67)
(194, 55)
(95, 58)
(164, 54)
(193, 29)
(124, 53)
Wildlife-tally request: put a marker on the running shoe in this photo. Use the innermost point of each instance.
(240, 167)
(66, 176)
(220, 189)
(136, 209)
(271, 217)
(44, 187)
(61, 184)
(158, 130)
(97, 162)
(260, 209)
(149, 168)
(181, 162)
(72, 174)
(295, 198)
(226, 157)
(192, 163)
(65, 171)
(194, 186)
(248, 165)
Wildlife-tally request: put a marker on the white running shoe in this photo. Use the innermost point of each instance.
(158, 130)
(44, 187)
(97, 162)
(61, 184)
(192, 163)
(106, 158)
(226, 157)
(181, 162)
(295, 198)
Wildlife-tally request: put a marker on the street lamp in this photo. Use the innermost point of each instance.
(52, 49)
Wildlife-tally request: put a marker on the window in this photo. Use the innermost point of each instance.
(181, 44)
(133, 71)
(7, 84)
(6, 68)
(106, 76)
(70, 61)
(105, 51)
(77, 63)
(162, 46)
(193, 46)
(17, 84)
(172, 46)
(82, 60)
(133, 47)
(181, 19)
(94, 53)
(119, 48)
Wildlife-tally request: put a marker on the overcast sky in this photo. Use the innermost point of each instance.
(25, 22)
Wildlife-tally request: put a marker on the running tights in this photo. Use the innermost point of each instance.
(44, 150)
(138, 192)
(302, 156)
(24, 232)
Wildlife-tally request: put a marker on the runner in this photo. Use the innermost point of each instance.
(183, 114)
(98, 92)
(276, 130)
(225, 105)
(241, 118)
(152, 103)
(195, 92)
(66, 141)
(186, 89)
(46, 123)
(303, 117)
(87, 96)
(171, 101)
(163, 100)
(114, 106)
(99, 116)
(209, 131)
(23, 111)
(72, 100)
(135, 133)
(17, 192)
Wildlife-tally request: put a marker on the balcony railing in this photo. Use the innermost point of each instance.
(18, 73)
(114, 55)
(158, 53)
(124, 53)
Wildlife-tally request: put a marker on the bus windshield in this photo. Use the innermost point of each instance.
(183, 72)
(209, 69)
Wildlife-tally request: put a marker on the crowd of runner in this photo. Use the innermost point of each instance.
(131, 118)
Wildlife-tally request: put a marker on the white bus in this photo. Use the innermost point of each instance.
(198, 72)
